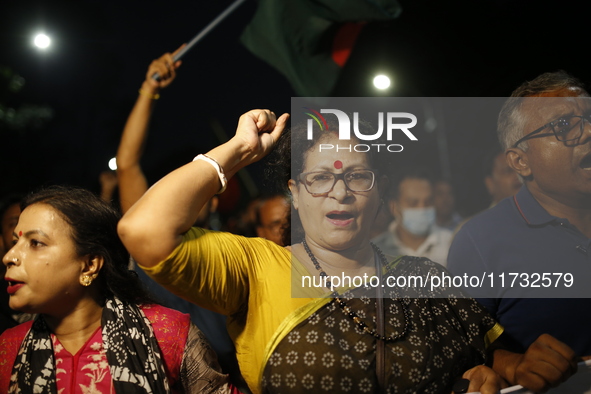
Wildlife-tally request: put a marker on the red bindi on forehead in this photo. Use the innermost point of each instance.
(338, 164)
(20, 233)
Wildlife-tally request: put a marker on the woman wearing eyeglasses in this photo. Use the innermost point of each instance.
(292, 335)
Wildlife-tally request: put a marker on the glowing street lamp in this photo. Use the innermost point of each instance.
(381, 82)
(42, 41)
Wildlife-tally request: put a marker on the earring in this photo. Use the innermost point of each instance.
(86, 280)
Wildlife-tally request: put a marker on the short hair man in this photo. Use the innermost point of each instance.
(414, 231)
(444, 201)
(546, 227)
(500, 179)
(271, 217)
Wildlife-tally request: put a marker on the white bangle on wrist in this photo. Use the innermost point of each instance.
(218, 168)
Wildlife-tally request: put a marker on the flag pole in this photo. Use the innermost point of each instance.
(204, 32)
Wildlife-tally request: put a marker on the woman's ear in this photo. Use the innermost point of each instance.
(92, 265)
(90, 269)
(293, 189)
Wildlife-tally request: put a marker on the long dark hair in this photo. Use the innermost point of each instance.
(94, 231)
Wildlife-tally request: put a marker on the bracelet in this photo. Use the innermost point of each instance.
(218, 168)
(152, 96)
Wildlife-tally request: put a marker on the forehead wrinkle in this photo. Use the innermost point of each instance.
(541, 111)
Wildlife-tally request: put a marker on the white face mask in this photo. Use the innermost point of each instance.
(418, 221)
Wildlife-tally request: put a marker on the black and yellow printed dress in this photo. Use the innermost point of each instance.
(289, 344)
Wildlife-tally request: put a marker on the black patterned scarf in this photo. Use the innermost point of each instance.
(132, 351)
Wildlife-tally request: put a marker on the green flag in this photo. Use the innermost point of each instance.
(308, 41)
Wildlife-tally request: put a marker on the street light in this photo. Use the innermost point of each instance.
(381, 82)
(42, 41)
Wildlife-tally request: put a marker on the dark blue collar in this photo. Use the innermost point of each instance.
(530, 209)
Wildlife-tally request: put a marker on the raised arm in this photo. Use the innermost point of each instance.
(132, 181)
(154, 226)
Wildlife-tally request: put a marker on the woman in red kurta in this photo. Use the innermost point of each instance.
(96, 331)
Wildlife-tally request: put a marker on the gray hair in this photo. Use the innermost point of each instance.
(511, 120)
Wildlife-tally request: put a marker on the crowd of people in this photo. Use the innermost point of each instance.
(155, 296)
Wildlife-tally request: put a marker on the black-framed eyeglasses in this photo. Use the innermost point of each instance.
(565, 128)
(322, 182)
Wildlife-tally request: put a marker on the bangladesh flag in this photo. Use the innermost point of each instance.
(309, 41)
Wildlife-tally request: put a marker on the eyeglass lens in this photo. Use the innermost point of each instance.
(323, 182)
(569, 128)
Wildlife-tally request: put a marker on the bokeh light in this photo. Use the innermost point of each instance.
(113, 164)
(42, 41)
(381, 82)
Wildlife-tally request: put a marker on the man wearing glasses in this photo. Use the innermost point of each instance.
(544, 231)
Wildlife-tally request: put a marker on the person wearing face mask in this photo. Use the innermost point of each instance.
(414, 230)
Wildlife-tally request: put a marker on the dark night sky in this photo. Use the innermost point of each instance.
(102, 49)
